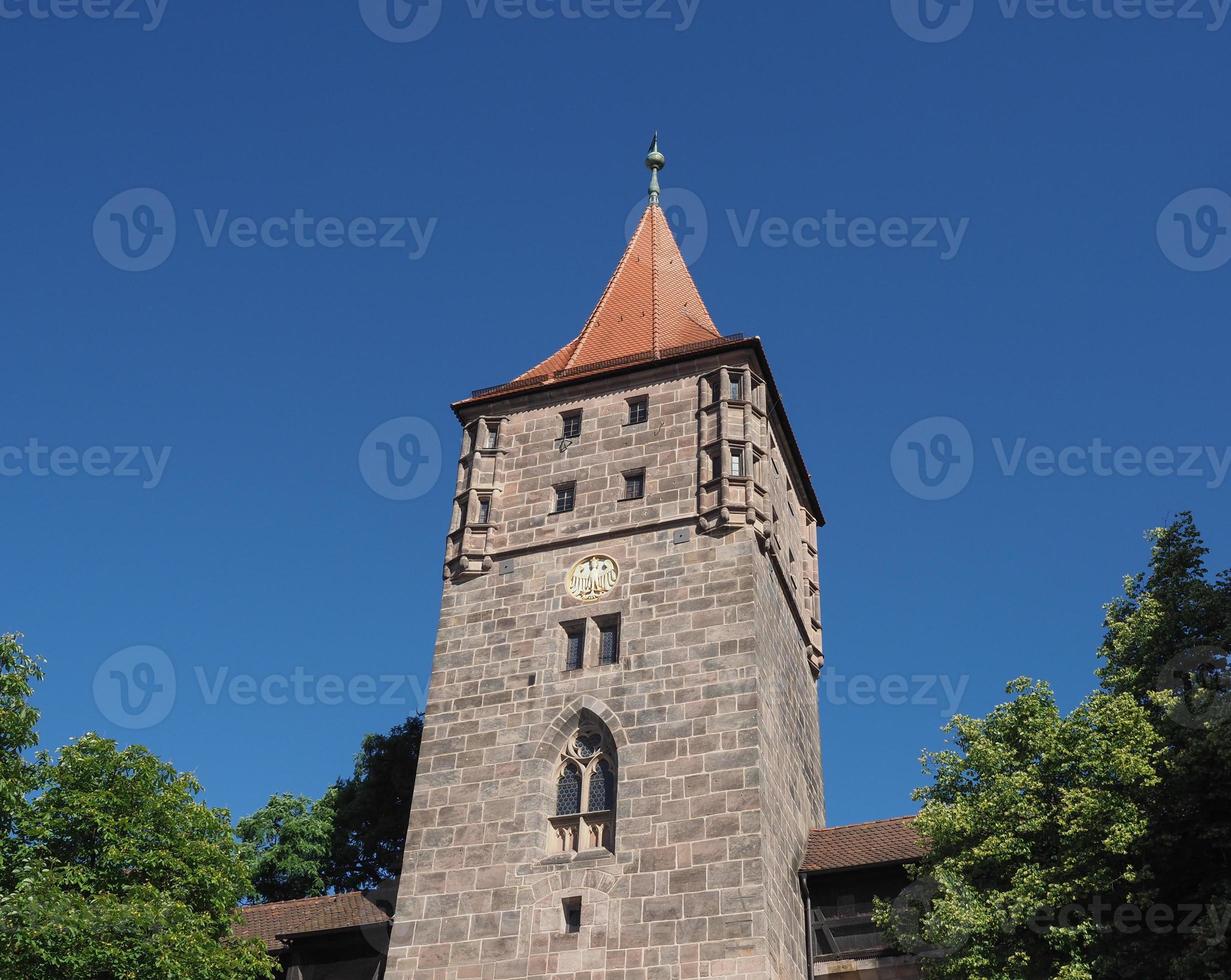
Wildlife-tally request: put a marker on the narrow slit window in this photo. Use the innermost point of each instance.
(572, 915)
(575, 649)
(609, 643)
(485, 510)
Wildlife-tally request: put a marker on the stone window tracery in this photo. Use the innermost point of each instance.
(585, 791)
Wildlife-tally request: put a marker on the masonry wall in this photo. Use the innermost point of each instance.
(711, 700)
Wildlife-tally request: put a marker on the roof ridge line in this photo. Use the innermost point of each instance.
(865, 823)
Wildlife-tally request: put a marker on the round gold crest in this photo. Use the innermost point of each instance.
(592, 578)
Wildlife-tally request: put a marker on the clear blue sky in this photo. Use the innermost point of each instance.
(1059, 320)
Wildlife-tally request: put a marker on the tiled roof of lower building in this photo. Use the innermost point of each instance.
(863, 844)
(305, 916)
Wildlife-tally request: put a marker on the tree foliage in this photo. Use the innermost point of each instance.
(1095, 845)
(286, 844)
(352, 839)
(373, 808)
(1032, 817)
(18, 720)
(1167, 646)
(123, 873)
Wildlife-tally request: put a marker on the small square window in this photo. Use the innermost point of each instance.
(638, 411)
(571, 428)
(737, 462)
(634, 485)
(737, 387)
(572, 915)
(575, 650)
(609, 642)
(485, 510)
(566, 498)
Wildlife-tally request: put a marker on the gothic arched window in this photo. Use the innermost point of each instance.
(585, 774)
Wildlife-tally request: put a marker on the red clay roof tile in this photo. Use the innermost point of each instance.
(650, 305)
(302, 916)
(862, 844)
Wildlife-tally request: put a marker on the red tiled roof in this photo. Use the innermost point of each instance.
(304, 916)
(862, 844)
(650, 305)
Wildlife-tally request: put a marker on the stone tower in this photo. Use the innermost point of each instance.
(621, 760)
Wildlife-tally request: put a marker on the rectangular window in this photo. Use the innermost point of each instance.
(634, 485)
(737, 387)
(638, 411)
(609, 642)
(491, 438)
(566, 498)
(575, 651)
(572, 426)
(485, 510)
(737, 462)
(572, 915)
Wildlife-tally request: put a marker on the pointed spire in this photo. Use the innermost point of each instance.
(655, 161)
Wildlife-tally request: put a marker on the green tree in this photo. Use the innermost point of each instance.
(1166, 646)
(123, 873)
(373, 808)
(18, 674)
(1033, 818)
(287, 846)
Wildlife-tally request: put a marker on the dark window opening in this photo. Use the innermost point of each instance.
(572, 915)
(572, 426)
(485, 510)
(574, 658)
(638, 411)
(634, 485)
(609, 642)
(568, 791)
(737, 387)
(566, 498)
